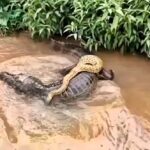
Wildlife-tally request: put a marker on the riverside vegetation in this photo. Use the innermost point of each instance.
(111, 24)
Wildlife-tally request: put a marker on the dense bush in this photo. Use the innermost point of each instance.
(11, 15)
(112, 24)
(46, 18)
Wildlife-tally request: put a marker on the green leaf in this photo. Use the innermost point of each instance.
(96, 46)
(3, 21)
(41, 31)
(148, 43)
(37, 12)
(115, 23)
(139, 19)
(119, 11)
(57, 13)
(148, 23)
(48, 14)
(105, 15)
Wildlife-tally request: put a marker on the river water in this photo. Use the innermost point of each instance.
(132, 73)
(133, 76)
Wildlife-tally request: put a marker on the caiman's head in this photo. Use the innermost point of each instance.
(90, 63)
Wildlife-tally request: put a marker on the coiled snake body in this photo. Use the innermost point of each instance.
(87, 63)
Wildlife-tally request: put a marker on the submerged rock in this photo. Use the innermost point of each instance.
(27, 121)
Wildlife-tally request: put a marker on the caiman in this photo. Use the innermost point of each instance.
(79, 86)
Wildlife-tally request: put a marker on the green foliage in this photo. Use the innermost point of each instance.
(112, 24)
(46, 18)
(11, 16)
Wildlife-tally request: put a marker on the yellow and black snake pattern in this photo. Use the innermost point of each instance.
(87, 63)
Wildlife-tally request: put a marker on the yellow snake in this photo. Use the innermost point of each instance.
(88, 63)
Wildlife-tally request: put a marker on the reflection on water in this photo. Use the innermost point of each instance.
(132, 72)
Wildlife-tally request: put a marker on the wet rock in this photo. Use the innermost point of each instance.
(30, 121)
(38, 119)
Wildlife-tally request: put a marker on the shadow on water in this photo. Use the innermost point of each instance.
(132, 73)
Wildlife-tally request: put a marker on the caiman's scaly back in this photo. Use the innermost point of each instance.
(87, 63)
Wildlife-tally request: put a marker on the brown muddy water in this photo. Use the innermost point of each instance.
(133, 76)
(132, 73)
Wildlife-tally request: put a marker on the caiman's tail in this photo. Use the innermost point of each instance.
(28, 85)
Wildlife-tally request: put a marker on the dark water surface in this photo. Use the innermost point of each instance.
(132, 73)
